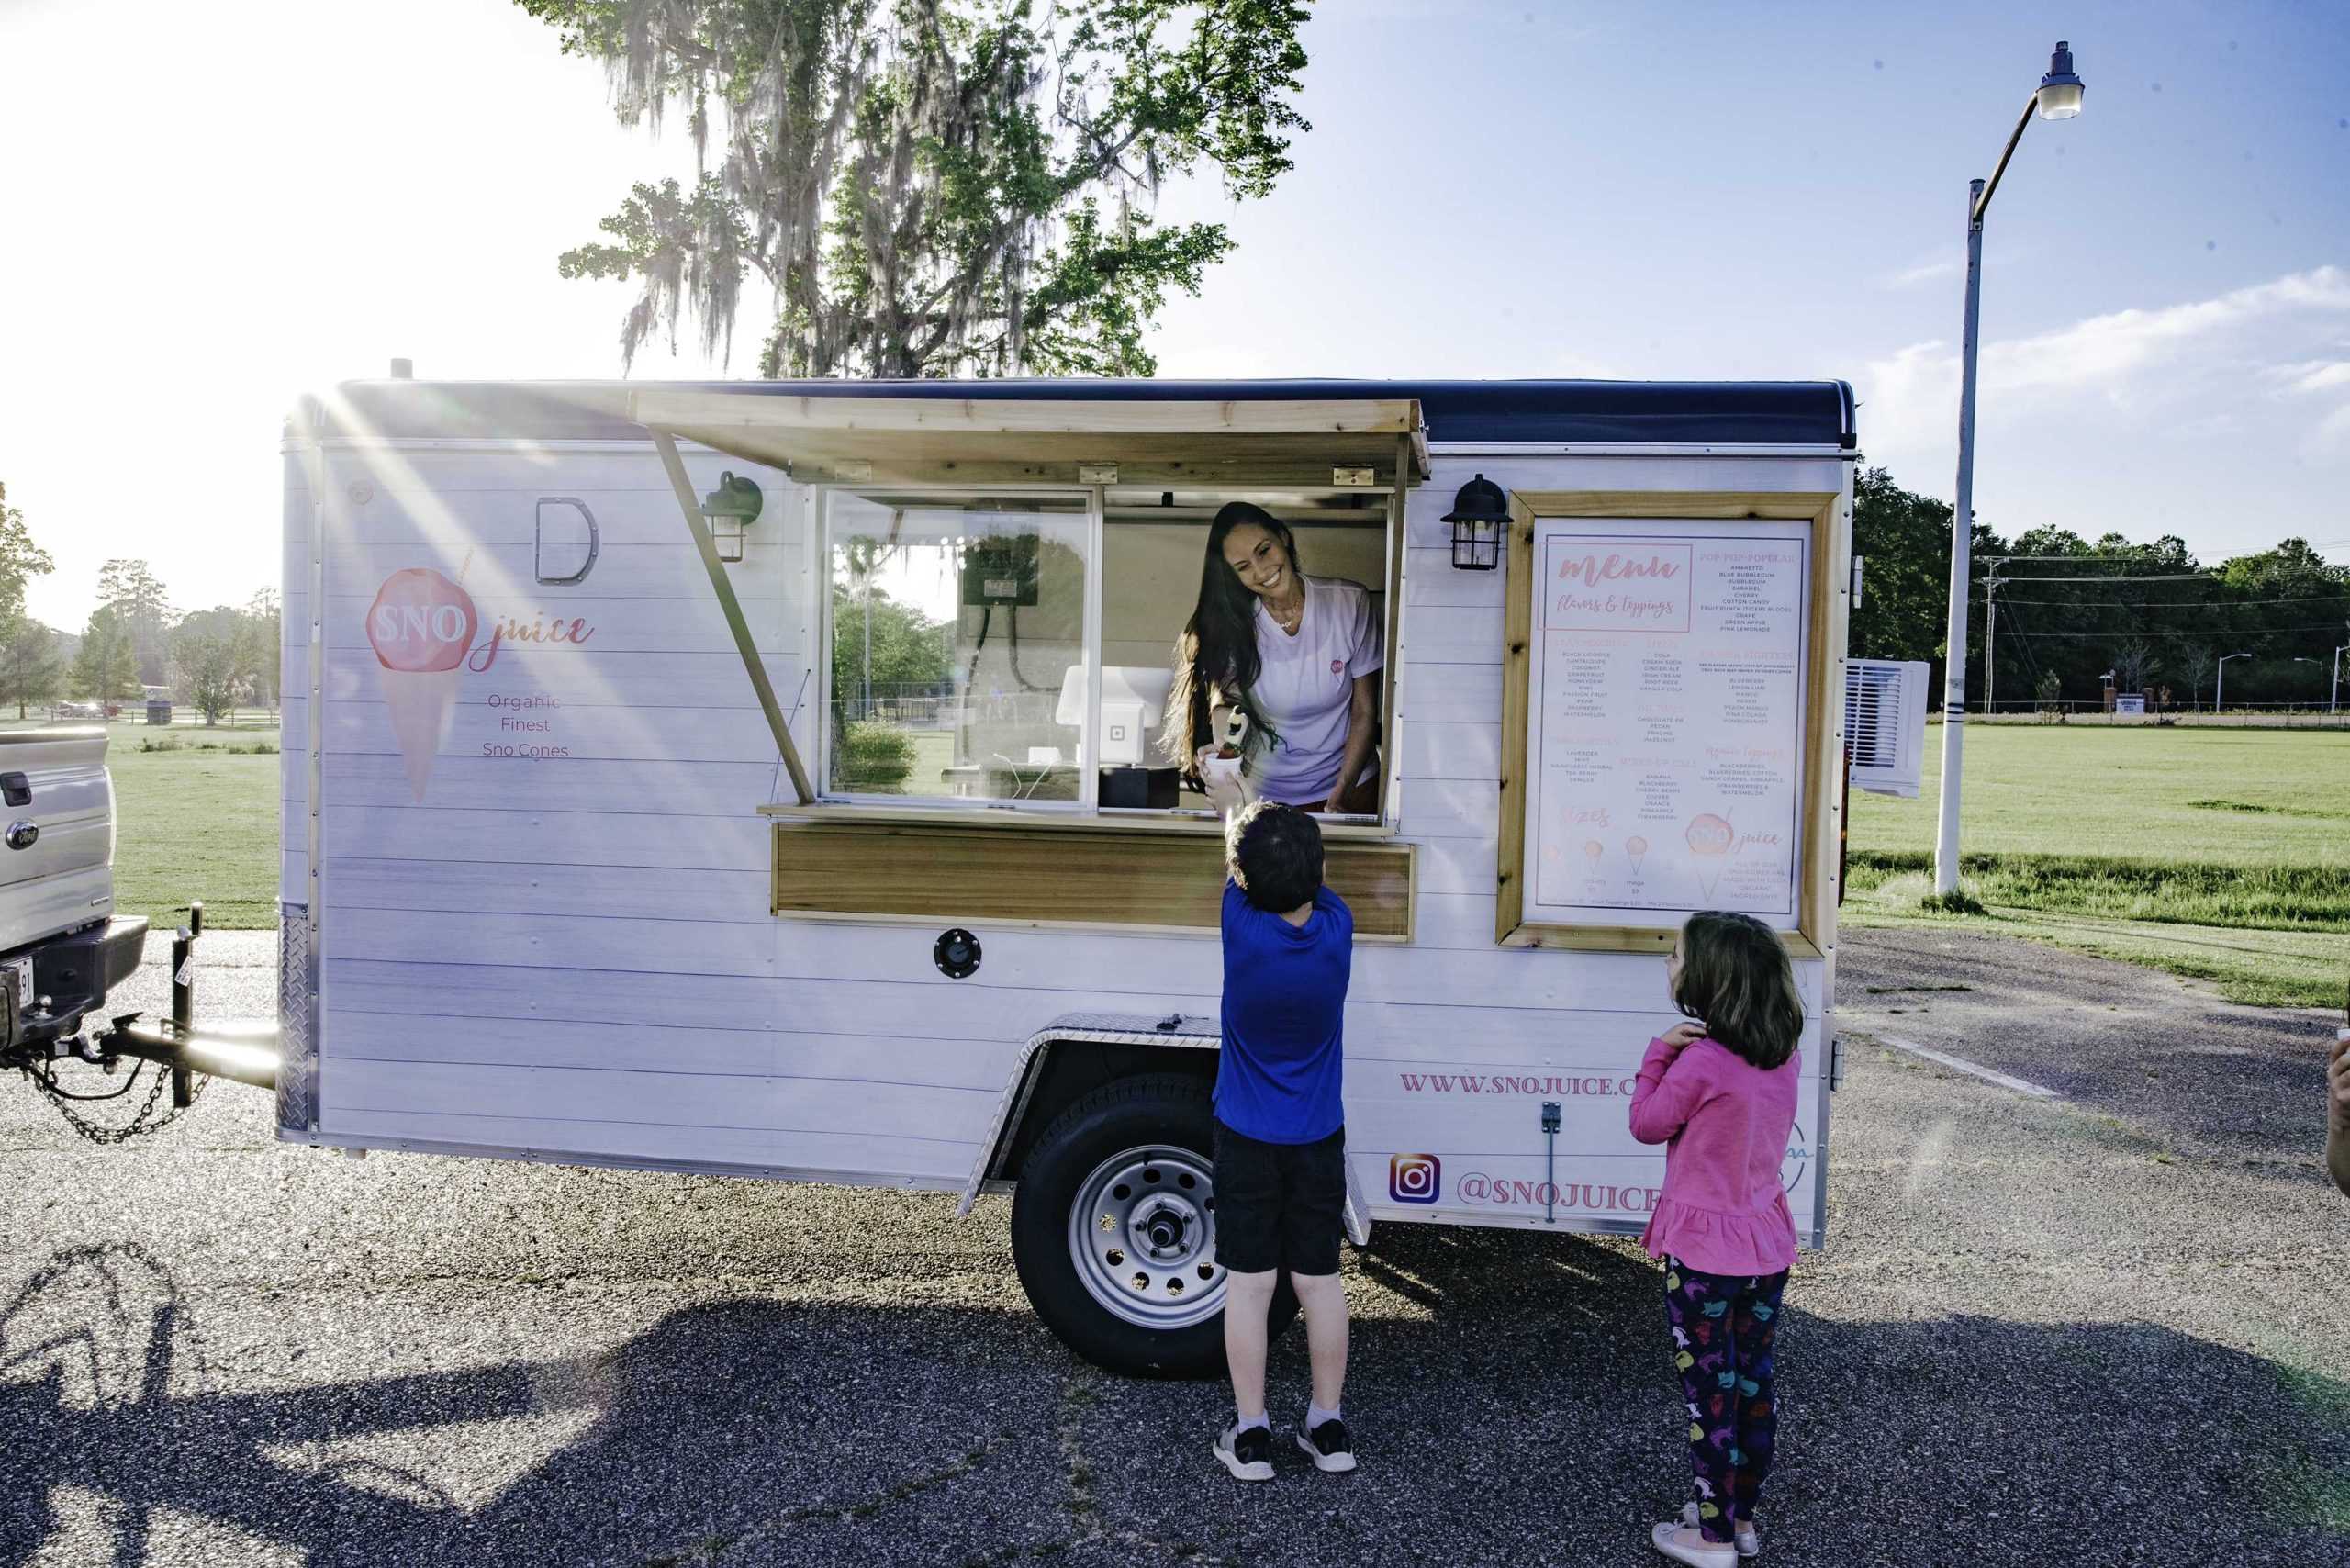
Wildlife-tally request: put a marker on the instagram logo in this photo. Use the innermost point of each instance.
(1414, 1178)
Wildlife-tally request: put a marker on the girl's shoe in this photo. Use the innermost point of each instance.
(1684, 1544)
(1742, 1533)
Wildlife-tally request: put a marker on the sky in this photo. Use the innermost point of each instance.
(207, 211)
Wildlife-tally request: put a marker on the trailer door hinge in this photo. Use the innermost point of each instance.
(1835, 1062)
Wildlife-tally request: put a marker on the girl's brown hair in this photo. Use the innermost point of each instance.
(1735, 978)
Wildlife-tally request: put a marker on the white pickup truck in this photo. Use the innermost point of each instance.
(61, 946)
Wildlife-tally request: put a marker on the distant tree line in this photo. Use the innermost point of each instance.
(210, 660)
(2150, 615)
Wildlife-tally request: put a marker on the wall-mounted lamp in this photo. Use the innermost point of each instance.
(728, 509)
(1480, 511)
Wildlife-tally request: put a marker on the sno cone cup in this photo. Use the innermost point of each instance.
(420, 702)
(421, 626)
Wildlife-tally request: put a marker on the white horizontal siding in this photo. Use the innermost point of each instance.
(525, 886)
(732, 841)
(502, 580)
(944, 1063)
(401, 473)
(474, 783)
(909, 1159)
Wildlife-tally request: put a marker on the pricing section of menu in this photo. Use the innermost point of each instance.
(1666, 719)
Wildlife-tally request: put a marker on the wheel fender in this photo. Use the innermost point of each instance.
(1178, 1031)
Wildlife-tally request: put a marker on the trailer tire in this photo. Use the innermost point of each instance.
(1138, 1154)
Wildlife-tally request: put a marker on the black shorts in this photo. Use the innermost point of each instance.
(1279, 1206)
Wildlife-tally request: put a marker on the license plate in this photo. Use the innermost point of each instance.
(20, 979)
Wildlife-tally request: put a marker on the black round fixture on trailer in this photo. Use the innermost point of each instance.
(1480, 511)
(957, 953)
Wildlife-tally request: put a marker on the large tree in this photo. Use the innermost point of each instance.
(131, 587)
(30, 671)
(207, 667)
(933, 187)
(105, 667)
(20, 561)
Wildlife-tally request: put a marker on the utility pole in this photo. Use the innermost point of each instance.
(1990, 634)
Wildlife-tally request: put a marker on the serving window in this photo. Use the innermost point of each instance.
(1017, 649)
(999, 582)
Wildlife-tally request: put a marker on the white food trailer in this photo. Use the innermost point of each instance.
(603, 843)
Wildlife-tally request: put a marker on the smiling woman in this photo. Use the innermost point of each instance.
(1295, 654)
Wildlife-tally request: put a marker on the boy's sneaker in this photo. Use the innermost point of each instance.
(1247, 1451)
(1328, 1447)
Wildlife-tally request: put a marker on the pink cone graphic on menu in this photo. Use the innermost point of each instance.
(1709, 839)
(1637, 847)
(421, 626)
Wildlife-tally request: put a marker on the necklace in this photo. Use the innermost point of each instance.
(1290, 617)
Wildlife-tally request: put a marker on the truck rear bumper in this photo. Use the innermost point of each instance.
(75, 972)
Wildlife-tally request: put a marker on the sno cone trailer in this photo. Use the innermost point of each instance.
(765, 778)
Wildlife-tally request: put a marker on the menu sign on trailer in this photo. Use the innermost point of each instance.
(1667, 673)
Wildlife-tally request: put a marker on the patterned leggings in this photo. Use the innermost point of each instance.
(1722, 1329)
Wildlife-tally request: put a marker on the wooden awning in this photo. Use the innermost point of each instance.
(1012, 441)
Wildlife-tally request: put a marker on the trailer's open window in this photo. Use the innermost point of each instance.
(963, 664)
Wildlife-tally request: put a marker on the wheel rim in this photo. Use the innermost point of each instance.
(1142, 1233)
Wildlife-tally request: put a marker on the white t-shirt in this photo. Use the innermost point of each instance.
(1305, 688)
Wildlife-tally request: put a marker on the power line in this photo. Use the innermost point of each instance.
(2171, 603)
(2227, 631)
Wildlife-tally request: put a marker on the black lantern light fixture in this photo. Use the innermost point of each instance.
(1480, 511)
(730, 510)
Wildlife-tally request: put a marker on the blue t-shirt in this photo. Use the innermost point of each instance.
(1284, 1000)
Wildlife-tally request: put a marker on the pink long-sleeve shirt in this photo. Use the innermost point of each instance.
(1724, 1122)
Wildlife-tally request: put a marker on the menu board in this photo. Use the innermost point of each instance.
(1665, 719)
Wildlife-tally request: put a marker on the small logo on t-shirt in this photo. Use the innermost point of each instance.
(1414, 1178)
(1337, 664)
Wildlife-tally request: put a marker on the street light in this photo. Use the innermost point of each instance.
(2333, 693)
(2218, 691)
(2058, 97)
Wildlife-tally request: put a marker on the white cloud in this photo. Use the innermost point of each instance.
(1924, 272)
(2131, 368)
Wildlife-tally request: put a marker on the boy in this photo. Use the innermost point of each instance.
(1281, 1181)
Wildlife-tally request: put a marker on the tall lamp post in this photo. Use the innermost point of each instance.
(2220, 691)
(2058, 97)
(2333, 693)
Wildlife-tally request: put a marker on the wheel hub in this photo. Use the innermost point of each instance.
(1142, 1235)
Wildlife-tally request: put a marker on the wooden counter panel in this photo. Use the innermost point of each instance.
(990, 873)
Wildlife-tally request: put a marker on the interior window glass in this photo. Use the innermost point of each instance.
(957, 646)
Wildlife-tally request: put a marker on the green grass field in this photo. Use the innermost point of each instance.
(195, 819)
(2220, 854)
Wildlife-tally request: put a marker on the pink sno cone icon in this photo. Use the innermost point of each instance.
(421, 626)
(1708, 834)
(420, 621)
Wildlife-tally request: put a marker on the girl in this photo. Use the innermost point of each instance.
(1720, 1093)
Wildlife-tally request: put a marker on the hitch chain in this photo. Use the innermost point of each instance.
(144, 1121)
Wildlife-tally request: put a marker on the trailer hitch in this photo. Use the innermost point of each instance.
(183, 1058)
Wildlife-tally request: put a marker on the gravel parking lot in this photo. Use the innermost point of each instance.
(2101, 1328)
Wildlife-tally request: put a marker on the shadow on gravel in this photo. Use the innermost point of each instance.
(1529, 1419)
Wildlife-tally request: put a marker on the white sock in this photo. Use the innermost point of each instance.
(1244, 1422)
(1315, 1416)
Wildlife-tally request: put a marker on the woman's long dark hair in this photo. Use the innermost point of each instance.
(1735, 978)
(1218, 647)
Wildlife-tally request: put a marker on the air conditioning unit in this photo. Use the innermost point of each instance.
(1884, 723)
